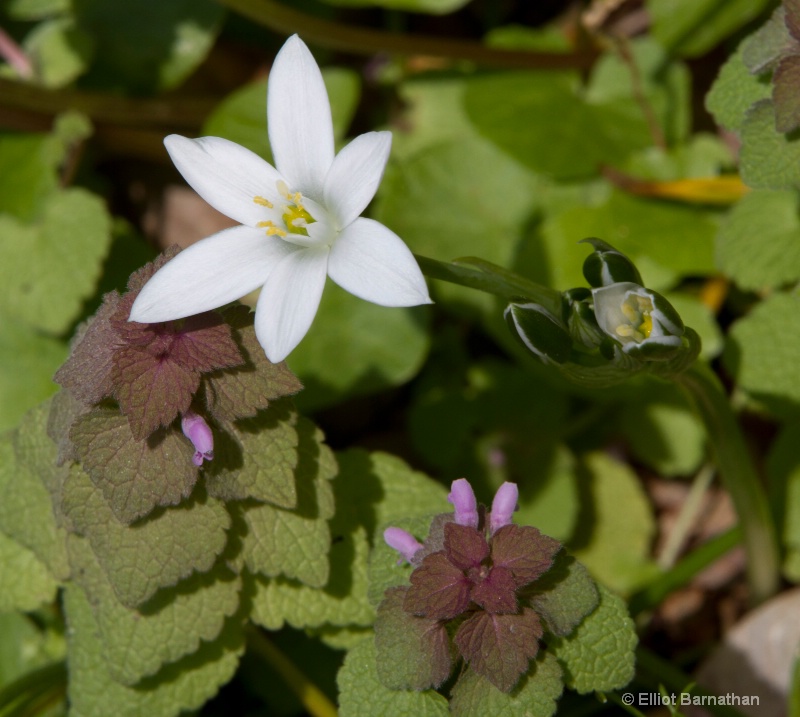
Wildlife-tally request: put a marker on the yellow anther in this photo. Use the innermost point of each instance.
(263, 202)
(283, 190)
(272, 230)
(624, 330)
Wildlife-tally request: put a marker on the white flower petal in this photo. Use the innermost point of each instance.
(355, 175)
(374, 264)
(209, 274)
(299, 119)
(226, 175)
(289, 301)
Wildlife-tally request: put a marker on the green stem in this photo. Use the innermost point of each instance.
(701, 557)
(491, 279)
(739, 476)
(362, 40)
(313, 699)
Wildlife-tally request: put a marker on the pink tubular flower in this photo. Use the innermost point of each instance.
(463, 500)
(402, 541)
(198, 432)
(503, 506)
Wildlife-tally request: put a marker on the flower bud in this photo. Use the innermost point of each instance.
(539, 331)
(503, 506)
(578, 315)
(402, 541)
(606, 266)
(463, 499)
(642, 321)
(197, 431)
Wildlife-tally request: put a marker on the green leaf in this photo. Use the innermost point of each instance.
(734, 91)
(693, 27)
(259, 458)
(761, 354)
(59, 50)
(27, 462)
(158, 552)
(52, 265)
(534, 696)
(137, 643)
(769, 159)
(242, 117)
(783, 471)
(662, 430)
(702, 319)
(25, 582)
(599, 656)
(616, 549)
(412, 653)
(295, 543)
(434, 7)
(758, 245)
(27, 644)
(28, 172)
(564, 595)
(184, 685)
(35, 9)
(361, 693)
(135, 476)
(664, 240)
(376, 348)
(179, 35)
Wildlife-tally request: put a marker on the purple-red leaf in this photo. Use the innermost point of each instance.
(786, 94)
(524, 551)
(151, 390)
(496, 593)
(792, 17)
(500, 647)
(413, 653)
(141, 276)
(87, 372)
(439, 590)
(465, 547)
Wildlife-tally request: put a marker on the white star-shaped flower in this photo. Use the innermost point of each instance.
(300, 219)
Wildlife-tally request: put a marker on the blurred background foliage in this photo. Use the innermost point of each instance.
(519, 129)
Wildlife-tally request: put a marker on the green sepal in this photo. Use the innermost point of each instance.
(605, 265)
(578, 314)
(539, 331)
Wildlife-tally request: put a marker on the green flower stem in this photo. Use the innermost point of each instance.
(367, 41)
(739, 476)
(678, 576)
(492, 279)
(617, 700)
(313, 699)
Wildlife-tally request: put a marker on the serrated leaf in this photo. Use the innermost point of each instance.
(25, 581)
(758, 245)
(763, 48)
(184, 685)
(343, 601)
(524, 551)
(26, 512)
(565, 595)
(35, 9)
(60, 51)
(534, 696)
(52, 265)
(786, 82)
(465, 546)
(768, 159)
(761, 354)
(258, 458)
(138, 643)
(361, 693)
(439, 590)
(412, 653)
(135, 476)
(295, 543)
(28, 172)
(599, 656)
(783, 471)
(243, 391)
(158, 552)
(500, 647)
(734, 91)
(616, 551)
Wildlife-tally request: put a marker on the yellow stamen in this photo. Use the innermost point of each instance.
(272, 230)
(263, 202)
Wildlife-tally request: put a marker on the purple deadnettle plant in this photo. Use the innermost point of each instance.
(300, 219)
